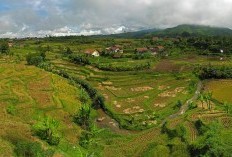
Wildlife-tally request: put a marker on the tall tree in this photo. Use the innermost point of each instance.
(4, 48)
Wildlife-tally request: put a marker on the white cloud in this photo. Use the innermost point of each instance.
(60, 17)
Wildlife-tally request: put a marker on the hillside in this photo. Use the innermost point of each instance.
(27, 95)
(184, 30)
(194, 30)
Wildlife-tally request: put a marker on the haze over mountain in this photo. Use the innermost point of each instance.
(21, 18)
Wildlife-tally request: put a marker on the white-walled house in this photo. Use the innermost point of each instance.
(92, 52)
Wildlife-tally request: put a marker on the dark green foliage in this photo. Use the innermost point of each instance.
(84, 60)
(45, 65)
(83, 96)
(31, 149)
(215, 72)
(47, 129)
(83, 116)
(179, 131)
(186, 30)
(201, 127)
(85, 139)
(138, 56)
(68, 51)
(79, 59)
(211, 143)
(98, 101)
(4, 48)
(35, 58)
(178, 105)
(192, 105)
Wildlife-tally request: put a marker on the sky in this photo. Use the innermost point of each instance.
(29, 18)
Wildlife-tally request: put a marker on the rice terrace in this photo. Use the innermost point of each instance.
(163, 92)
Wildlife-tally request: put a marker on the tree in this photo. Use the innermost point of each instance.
(35, 58)
(5, 48)
(211, 143)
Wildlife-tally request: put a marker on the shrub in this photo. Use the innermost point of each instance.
(68, 51)
(192, 105)
(11, 109)
(178, 105)
(83, 116)
(31, 149)
(85, 139)
(200, 126)
(35, 58)
(4, 48)
(46, 129)
(214, 72)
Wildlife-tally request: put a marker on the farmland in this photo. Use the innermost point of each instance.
(134, 104)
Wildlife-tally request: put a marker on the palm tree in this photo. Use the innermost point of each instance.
(202, 99)
(209, 98)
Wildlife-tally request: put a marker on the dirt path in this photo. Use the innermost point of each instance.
(184, 107)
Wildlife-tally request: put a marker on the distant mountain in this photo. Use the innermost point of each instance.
(184, 30)
(136, 34)
(194, 30)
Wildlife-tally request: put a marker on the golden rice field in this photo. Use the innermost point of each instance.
(34, 93)
(221, 89)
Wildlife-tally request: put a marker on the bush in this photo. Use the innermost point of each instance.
(85, 139)
(81, 59)
(68, 52)
(178, 105)
(83, 116)
(46, 129)
(31, 149)
(192, 105)
(214, 72)
(35, 58)
(4, 48)
(200, 126)
(11, 109)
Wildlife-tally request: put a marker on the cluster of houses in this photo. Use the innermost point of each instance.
(117, 51)
(152, 50)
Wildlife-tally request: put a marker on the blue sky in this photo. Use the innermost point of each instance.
(21, 18)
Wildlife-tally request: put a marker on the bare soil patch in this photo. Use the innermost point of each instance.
(141, 89)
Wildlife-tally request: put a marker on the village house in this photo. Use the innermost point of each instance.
(10, 44)
(155, 38)
(114, 49)
(156, 50)
(152, 50)
(92, 52)
(142, 50)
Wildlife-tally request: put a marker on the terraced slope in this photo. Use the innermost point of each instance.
(28, 94)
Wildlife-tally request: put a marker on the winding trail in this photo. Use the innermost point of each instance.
(184, 107)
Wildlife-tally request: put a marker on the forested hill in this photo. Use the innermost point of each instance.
(180, 30)
(194, 30)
